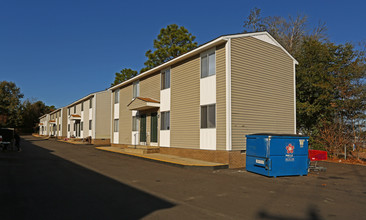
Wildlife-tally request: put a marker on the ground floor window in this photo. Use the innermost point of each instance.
(81, 125)
(116, 125)
(208, 116)
(165, 121)
(90, 124)
(135, 123)
(68, 127)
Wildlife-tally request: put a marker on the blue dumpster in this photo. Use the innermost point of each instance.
(277, 154)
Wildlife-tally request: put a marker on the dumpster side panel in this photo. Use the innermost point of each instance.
(284, 166)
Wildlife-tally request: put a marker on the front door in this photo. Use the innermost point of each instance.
(54, 130)
(143, 128)
(77, 128)
(154, 127)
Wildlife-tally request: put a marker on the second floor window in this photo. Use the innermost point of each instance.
(116, 96)
(91, 103)
(208, 64)
(74, 108)
(165, 79)
(82, 106)
(136, 89)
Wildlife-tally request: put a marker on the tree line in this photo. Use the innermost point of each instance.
(15, 113)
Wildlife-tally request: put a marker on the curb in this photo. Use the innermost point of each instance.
(202, 167)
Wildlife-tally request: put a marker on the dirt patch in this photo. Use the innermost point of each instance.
(348, 161)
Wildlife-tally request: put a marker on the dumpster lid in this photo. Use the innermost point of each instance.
(275, 134)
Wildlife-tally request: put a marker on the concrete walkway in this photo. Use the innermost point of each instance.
(169, 159)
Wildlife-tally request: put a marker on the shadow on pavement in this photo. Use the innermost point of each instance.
(312, 214)
(35, 184)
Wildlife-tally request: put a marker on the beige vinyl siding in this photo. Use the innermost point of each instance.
(125, 115)
(150, 86)
(103, 115)
(86, 119)
(262, 89)
(220, 97)
(185, 104)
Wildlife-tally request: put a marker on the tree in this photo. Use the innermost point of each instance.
(31, 111)
(172, 42)
(10, 104)
(314, 87)
(123, 75)
(331, 94)
(289, 32)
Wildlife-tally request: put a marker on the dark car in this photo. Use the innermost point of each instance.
(7, 138)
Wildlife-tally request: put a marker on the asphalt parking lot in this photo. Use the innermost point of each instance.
(54, 180)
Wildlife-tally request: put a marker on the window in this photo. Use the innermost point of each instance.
(136, 89)
(74, 108)
(59, 127)
(82, 106)
(60, 113)
(135, 123)
(165, 121)
(116, 125)
(208, 116)
(90, 124)
(91, 103)
(81, 125)
(68, 127)
(165, 79)
(68, 111)
(116, 96)
(208, 64)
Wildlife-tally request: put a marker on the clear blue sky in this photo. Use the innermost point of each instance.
(58, 51)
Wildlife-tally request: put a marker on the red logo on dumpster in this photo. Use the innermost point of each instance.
(290, 149)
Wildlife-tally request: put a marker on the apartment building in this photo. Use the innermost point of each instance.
(58, 123)
(44, 124)
(203, 103)
(90, 117)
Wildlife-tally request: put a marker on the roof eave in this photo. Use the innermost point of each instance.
(171, 62)
(199, 50)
